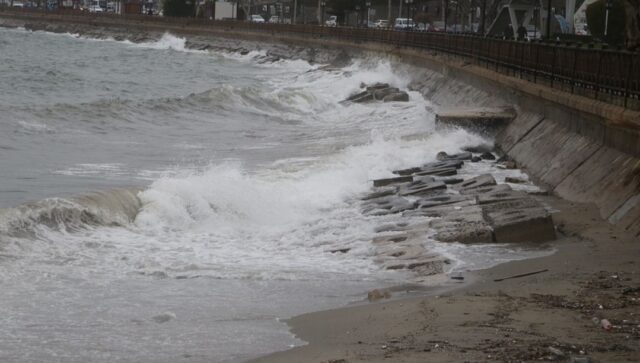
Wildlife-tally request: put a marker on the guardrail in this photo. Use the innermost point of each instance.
(601, 73)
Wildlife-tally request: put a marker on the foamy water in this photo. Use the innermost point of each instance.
(163, 204)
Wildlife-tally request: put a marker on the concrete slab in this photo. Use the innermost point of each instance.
(557, 152)
(500, 196)
(609, 179)
(487, 189)
(389, 181)
(483, 180)
(521, 225)
(469, 232)
(517, 129)
(422, 188)
(441, 200)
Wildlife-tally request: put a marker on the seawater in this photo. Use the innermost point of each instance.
(161, 204)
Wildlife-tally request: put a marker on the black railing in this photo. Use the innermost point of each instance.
(598, 72)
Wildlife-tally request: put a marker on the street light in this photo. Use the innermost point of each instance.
(408, 3)
(536, 9)
(322, 5)
(357, 15)
(608, 8)
(549, 19)
(368, 4)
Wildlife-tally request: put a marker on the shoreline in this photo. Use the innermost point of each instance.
(441, 329)
(547, 316)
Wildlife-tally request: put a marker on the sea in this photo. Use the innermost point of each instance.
(164, 204)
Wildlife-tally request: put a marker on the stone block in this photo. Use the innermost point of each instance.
(477, 182)
(465, 232)
(495, 197)
(521, 225)
(422, 188)
(444, 200)
(389, 181)
(487, 189)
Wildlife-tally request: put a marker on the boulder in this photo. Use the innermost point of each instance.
(475, 159)
(396, 97)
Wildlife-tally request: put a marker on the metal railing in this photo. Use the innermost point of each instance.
(598, 72)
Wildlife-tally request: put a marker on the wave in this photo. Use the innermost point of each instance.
(101, 208)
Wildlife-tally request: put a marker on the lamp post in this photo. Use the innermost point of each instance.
(357, 16)
(536, 9)
(549, 19)
(322, 5)
(408, 6)
(368, 3)
(608, 8)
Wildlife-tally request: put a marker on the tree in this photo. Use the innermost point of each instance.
(178, 8)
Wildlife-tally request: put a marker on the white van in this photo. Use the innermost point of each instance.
(404, 24)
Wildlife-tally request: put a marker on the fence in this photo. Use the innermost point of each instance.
(607, 74)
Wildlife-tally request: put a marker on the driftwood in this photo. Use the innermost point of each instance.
(521, 275)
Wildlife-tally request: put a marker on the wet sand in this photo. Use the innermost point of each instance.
(547, 316)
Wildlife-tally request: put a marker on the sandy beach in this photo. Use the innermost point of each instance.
(543, 317)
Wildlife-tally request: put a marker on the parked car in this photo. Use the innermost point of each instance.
(257, 19)
(332, 21)
(96, 9)
(404, 24)
(382, 23)
(274, 19)
(17, 4)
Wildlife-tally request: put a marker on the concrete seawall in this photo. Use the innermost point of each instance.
(582, 150)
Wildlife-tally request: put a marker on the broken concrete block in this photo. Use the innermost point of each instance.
(408, 171)
(487, 189)
(388, 181)
(466, 232)
(487, 156)
(521, 225)
(445, 164)
(437, 171)
(381, 93)
(477, 182)
(379, 194)
(396, 97)
(500, 196)
(444, 200)
(443, 156)
(514, 180)
(421, 188)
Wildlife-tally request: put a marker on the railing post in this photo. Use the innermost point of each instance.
(628, 79)
(553, 64)
(598, 74)
(573, 72)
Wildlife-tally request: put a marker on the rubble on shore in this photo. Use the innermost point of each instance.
(450, 209)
